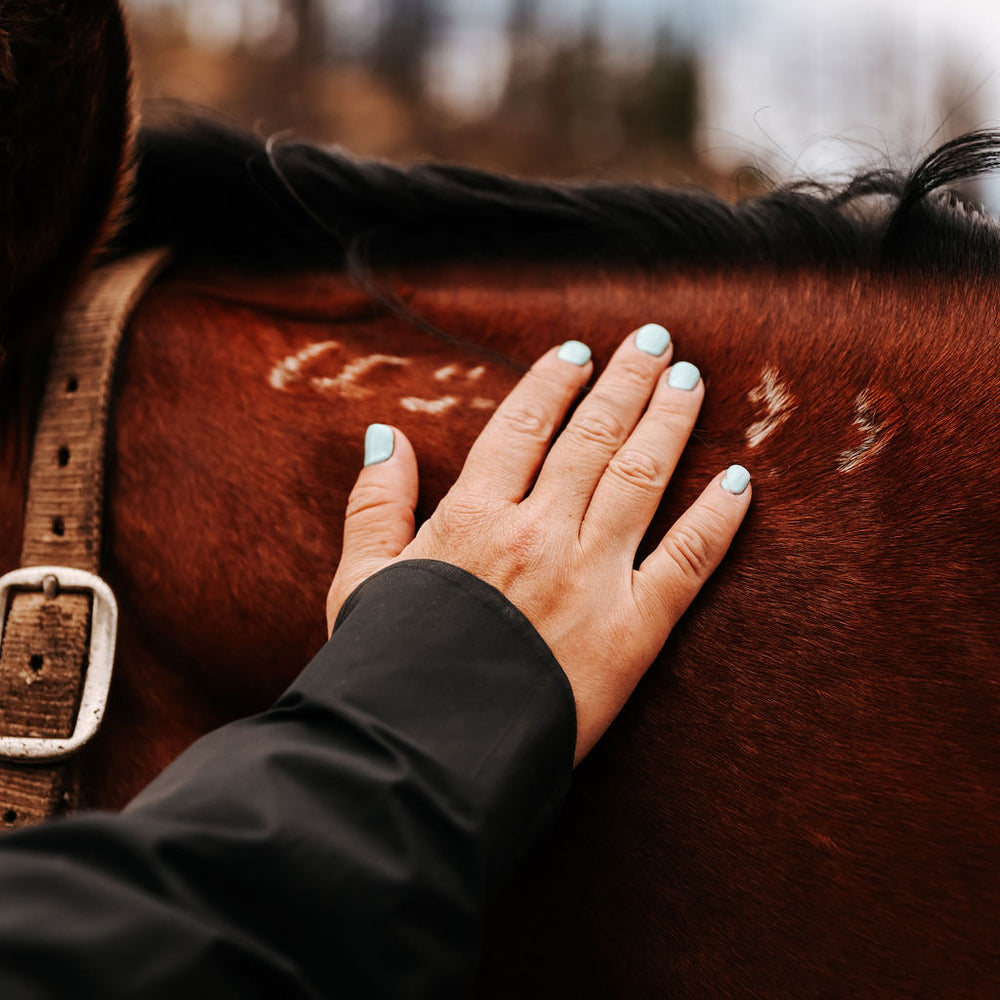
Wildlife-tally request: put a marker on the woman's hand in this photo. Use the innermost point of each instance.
(564, 553)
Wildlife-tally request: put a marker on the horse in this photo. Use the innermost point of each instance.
(800, 800)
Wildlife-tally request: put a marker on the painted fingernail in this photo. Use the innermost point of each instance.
(574, 351)
(652, 338)
(736, 479)
(379, 442)
(683, 375)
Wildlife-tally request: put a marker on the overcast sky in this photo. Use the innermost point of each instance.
(885, 73)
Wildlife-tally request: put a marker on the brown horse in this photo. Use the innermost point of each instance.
(801, 800)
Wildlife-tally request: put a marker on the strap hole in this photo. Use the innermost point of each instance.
(63, 457)
(10, 816)
(58, 526)
(72, 384)
(36, 662)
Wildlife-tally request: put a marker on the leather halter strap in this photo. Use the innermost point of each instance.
(59, 618)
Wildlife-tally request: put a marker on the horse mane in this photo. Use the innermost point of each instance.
(220, 193)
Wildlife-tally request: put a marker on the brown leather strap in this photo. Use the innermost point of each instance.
(64, 512)
(43, 659)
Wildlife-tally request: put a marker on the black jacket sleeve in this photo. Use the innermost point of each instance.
(340, 844)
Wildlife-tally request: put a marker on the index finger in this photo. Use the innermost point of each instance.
(506, 456)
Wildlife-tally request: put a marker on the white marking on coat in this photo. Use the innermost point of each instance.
(443, 374)
(286, 373)
(432, 406)
(871, 425)
(475, 374)
(777, 401)
(483, 404)
(345, 384)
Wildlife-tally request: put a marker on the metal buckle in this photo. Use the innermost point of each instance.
(100, 659)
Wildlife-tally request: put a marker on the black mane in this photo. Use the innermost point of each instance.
(218, 193)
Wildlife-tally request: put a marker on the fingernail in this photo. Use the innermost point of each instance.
(379, 442)
(652, 338)
(736, 479)
(684, 375)
(574, 351)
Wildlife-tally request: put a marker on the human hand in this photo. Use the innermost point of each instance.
(564, 553)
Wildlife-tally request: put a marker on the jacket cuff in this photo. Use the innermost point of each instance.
(441, 661)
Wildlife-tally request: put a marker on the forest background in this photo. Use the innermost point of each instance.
(733, 95)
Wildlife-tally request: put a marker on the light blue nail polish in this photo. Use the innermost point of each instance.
(652, 338)
(574, 351)
(684, 375)
(379, 442)
(736, 479)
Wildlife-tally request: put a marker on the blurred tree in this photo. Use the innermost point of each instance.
(522, 21)
(577, 95)
(311, 31)
(527, 55)
(577, 101)
(660, 104)
(407, 32)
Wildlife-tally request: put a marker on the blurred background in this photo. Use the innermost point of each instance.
(728, 94)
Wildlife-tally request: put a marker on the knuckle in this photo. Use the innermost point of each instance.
(631, 372)
(369, 496)
(675, 414)
(532, 531)
(715, 526)
(637, 469)
(525, 422)
(690, 552)
(459, 514)
(524, 535)
(549, 376)
(599, 427)
(466, 521)
(523, 549)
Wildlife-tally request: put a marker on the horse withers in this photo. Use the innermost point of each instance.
(801, 798)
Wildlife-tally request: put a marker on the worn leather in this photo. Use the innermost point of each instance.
(43, 659)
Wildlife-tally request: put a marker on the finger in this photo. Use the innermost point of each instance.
(632, 486)
(603, 421)
(505, 457)
(673, 573)
(380, 510)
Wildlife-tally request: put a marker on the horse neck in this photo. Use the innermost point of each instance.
(841, 666)
(244, 400)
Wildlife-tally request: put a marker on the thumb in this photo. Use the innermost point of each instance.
(379, 522)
